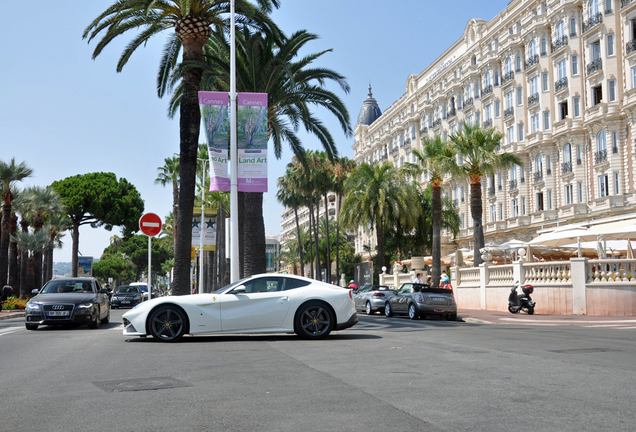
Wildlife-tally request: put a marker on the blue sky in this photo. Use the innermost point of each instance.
(65, 114)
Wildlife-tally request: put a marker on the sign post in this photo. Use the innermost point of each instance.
(150, 224)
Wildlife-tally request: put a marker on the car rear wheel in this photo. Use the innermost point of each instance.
(31, 326)
(369, 309)
(413, 312)
(314, 320)
(387, 310)
(167, 324)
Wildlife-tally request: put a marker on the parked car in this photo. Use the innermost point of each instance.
(126, 296)
(143, 287)
(68, 300)
(420, 301)
(265, 303)
(372, 298)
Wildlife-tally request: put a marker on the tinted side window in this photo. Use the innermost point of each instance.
(295, 283)
(264, 284)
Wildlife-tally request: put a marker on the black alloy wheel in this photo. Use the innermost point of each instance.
(314, 320)
(167, 324)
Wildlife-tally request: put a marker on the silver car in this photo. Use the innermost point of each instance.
(420, 301)
(372, 298)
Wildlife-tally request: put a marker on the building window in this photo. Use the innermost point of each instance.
(535, 123)
(511, 134)
(515, 208)
(601, 141)
(603, 186)
(540, 201)
(463, 220)
(546, 120)
(523, 206)
(580, 192)
(610, 44)
(561, 70)
(544, 82)
(497, 109)
(493, 213)
(549, 165)
(544, 46)
(518, 63)
(614, 142)
(575, 65)
(634, 77)
(573, 27)
(509, 102)
(567, 194)
(577, 106)
(597, 95)
(520, 96)
(595, 50)
(538, 164)
(567, 154)
(578, 155)
(616, 188)
(550, 199)
(501, 212)
(520, 131)
(563, 110)
(612, 90)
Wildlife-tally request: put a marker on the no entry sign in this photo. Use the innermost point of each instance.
(150, 224)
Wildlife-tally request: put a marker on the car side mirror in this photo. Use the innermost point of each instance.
(103, 291)
(35, 292)
(239, 290)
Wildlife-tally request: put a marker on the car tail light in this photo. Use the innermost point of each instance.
(378, 294)
(419, 298)
(351, 294)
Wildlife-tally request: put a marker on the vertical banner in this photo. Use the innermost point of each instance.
(252, 142)
(214, 107)
(208, 227)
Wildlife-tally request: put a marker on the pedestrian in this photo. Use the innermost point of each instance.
(445, 277)
(429, 281)
(418, 278)
(352, 285)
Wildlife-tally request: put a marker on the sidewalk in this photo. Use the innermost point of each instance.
(8, 314)
(500, 317)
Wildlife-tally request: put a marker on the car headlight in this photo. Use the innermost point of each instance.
(32, 307)
(85, 305)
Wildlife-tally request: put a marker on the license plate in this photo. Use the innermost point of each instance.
(125, 301)
(438, 299)
(59, 313)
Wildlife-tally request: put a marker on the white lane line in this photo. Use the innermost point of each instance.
(568, 321)
(8, 330)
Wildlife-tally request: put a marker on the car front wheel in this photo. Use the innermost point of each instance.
(314, 321)
(167, 324)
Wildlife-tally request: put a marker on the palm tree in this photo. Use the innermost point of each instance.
(169, 174)
(436, 156)
(191, 21)
(478, 150)
(39, 204)
(267, 65)
(378, 196)
(289, 196)
(341, 169)
(10, 173)
(30, 245)
(324, 184)
(56, 225)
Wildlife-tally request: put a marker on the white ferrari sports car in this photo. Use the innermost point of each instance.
(266, 303)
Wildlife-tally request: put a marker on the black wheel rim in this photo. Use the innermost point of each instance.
(167, 324)
(315, 321)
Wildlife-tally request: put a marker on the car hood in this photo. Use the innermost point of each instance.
(64, 298)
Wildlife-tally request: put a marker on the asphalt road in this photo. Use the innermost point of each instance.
(382, 374)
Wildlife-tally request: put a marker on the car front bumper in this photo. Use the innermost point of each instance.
(77, 317)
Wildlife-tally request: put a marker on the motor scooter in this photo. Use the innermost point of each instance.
(523, 302)
(6, 292)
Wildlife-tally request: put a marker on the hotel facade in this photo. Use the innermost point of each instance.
(558, 79)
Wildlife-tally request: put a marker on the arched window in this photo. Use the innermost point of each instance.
(532, 49)
(601, 141)
(560, 29)
(567, 153)
(538, 164)
(593, 8)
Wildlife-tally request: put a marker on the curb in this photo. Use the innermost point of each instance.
(476, 321)
(10, 314)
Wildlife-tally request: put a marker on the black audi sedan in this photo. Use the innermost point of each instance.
(68, 301)
(126, 296)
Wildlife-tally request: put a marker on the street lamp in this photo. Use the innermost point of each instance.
(202, 229)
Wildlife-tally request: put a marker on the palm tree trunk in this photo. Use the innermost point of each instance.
(300, 245)
(24, 261)
(30, 273)
(316, 228)
(255, 261)
(328, 260)
(14, 268)
(189, 125)
(175, 211)
(311, 245)
(436, 198)
(4, 238)
(379, 230)
(476, 213)
(37, 270)
(210, 267)
(337, 237)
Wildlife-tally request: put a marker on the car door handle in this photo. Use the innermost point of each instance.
(286, 298)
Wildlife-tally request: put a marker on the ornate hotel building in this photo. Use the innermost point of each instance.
(558, 79)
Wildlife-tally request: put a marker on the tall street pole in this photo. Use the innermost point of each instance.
(202, 230)
(234, 234)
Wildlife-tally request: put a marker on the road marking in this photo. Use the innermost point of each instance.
(8, 330)
(526, 320)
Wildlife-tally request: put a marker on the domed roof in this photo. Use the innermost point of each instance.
(370, 110)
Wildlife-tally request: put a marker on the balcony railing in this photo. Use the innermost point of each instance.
(600, 157)
(538, 176)
(509, 112)
(512, 185)
(592, 22)
(486, 91)
(394, 150)
(423, 131)
(559, 43)
(533, 99)
(468, 103)
(561, 84)
(407, 143)
(595, 66)
(531, 61)
(625, 3)
(566, 168)
(630, 46)
(437, 122)
(487, 124)
(507, 77)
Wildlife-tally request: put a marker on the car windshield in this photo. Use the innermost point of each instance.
(126, 290)
(67, 286)
(230, 286)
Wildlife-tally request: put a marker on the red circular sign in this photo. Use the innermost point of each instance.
(150, 224)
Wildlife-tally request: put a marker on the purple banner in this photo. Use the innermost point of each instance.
(252, 142)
